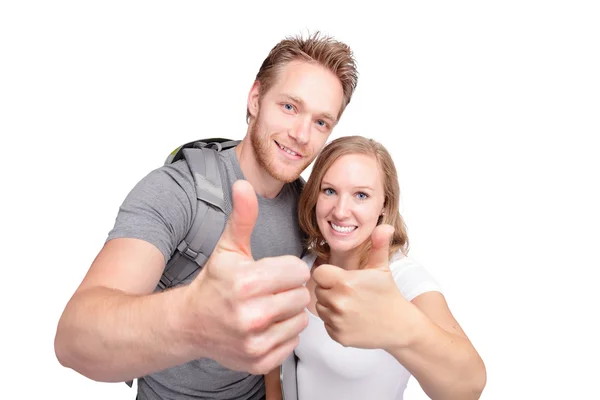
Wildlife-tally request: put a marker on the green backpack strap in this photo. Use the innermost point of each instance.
(209, 222)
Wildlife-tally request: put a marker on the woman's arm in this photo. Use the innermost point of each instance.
(430, 344)
(366, 309)
(273, 385)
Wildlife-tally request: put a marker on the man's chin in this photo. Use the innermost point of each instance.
(286, 171)
(286, 178)
(284, 175)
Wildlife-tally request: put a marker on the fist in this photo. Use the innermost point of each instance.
(359, 306)
(247, 314)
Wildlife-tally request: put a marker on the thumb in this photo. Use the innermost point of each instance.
(380, 246)
(237, 233)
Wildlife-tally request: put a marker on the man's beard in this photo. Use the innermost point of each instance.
(262, 149)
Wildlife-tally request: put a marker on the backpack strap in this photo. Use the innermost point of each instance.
(209, 221)
(217, 143)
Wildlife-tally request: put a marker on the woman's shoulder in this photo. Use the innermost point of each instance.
(400, 262)
(309, 258)
(411, 277)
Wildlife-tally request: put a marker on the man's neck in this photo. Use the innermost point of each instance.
(263, 183)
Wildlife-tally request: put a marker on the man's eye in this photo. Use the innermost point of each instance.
(321, 123)
(288, 107)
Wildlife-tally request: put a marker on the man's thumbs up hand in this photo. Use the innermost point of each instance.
(246, 314)
(238, 231)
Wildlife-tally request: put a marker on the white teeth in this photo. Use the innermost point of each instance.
(287, 150)
(342, 229)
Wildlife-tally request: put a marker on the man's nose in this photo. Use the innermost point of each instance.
(300, 132)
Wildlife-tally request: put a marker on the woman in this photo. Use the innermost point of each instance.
(376, 317)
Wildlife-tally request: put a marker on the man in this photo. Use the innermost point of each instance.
(242, 314)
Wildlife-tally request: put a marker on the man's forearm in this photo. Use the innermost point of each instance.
(111, 336)
(445, 364)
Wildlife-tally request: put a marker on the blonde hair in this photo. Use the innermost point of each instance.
(336, 56)
(391, 215)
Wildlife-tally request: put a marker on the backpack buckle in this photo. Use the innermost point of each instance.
(184, 249)
(216, 145)
(163, 283)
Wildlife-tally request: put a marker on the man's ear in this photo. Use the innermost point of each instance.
(253, 99)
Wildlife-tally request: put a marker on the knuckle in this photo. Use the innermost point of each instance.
(294, 267)
(339, 337)
(255, 370)
(349, 286)
(295, 341)
(250, 317)
(303, 323)
(339, 304)
(334, 334)
(243, 285)
(304, 296)
(316, 275)
(243, 319)
(254, 347)
(318, 293)
(301, 265)
(262, 368)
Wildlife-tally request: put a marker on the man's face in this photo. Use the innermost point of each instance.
(294, 118)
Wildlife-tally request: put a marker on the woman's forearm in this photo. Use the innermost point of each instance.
(445, 364)
(273, 385)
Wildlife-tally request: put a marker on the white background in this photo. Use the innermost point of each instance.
(491, 111)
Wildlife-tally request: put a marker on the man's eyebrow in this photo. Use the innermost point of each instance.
(299, 101)
(294, 99)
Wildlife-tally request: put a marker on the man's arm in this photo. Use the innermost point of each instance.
(113, 329)
(242, 313)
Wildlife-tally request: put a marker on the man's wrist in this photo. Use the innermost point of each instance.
(182, 325)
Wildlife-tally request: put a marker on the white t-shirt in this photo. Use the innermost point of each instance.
(329, 371)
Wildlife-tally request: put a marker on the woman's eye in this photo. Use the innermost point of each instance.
(362, 196)
(288, 107)
(328, 191)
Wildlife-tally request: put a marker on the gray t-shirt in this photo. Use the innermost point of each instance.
(160, 209)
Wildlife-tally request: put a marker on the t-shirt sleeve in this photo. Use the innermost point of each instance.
(159, 209)
(412, 278)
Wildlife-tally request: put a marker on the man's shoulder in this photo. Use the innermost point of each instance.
(159, 208)
(165, 176)
(169, 180)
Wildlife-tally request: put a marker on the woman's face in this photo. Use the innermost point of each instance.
(350, 201)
